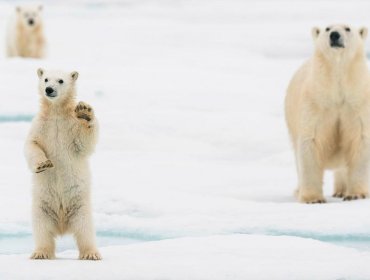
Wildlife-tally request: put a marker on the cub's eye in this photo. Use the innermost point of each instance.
(348, 29)
(61, 81)
(46, 80)
(327, 29)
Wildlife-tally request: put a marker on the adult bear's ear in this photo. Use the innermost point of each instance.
(74, 75)
(363, 32)
(315, 32)
(18, 9)
(40, 7)
(40, 72)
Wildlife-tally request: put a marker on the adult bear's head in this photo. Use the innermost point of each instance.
(339, 40)
(29, 16)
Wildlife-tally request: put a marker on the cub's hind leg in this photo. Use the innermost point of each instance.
(81, 225)
(44, 232)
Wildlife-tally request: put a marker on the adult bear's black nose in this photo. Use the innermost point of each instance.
(31, 21)
(334, 36)
(49, 90)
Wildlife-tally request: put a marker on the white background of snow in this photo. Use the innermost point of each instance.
(189, 95)
(214, 257)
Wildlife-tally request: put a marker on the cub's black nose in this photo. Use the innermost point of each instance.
(31, 21)
(49, 90)
(334, 36)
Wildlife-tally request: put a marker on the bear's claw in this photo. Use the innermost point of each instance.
(41, 255)
(338, 195)
(316, 201)
(354, 197)
(92, 256)
(44, 165)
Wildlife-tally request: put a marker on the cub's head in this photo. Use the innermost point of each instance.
(29, 16)
(339, 39)
(57, 86)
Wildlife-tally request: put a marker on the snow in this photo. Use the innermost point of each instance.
(215, 257)
(193, 177)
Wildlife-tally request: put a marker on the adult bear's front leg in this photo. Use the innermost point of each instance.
(310, 172)
(358, 170)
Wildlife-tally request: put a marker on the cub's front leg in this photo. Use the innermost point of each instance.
(36, 158)
(86, 132)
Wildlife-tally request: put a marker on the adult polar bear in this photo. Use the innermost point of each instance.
(62, 136)
(25, 33)
(328, 115)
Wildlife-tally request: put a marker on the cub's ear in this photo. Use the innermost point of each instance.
(40, 8)
(18, 9)
(315, 32)
(40, 72)
(74, 75)
(363, 32)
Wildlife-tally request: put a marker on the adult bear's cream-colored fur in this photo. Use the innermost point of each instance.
(328, 115)
(25, 37)
(62, 137)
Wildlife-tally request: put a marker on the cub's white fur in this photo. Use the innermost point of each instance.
(328, 115)
(25, 34)
(62, 137)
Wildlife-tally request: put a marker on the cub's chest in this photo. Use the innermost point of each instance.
(58, 131)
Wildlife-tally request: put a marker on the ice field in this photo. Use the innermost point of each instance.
(193, 176)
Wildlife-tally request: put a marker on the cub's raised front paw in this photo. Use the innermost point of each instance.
(84, 111)
(42, 166)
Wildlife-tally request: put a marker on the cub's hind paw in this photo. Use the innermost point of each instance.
(84, 111)
(42, 166)
(41, 255)
(310, 198)
(92, 256)
(316, 201)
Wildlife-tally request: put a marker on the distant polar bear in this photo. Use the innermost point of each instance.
(328, 115)
(62, 137)
(25, 34)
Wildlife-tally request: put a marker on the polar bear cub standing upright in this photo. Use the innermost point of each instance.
(25, 34)
(61, 139)
(328, 115)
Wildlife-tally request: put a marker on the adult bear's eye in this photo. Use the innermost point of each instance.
(61, 81)
(327, 29)
(348, 29)
(46, 80)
